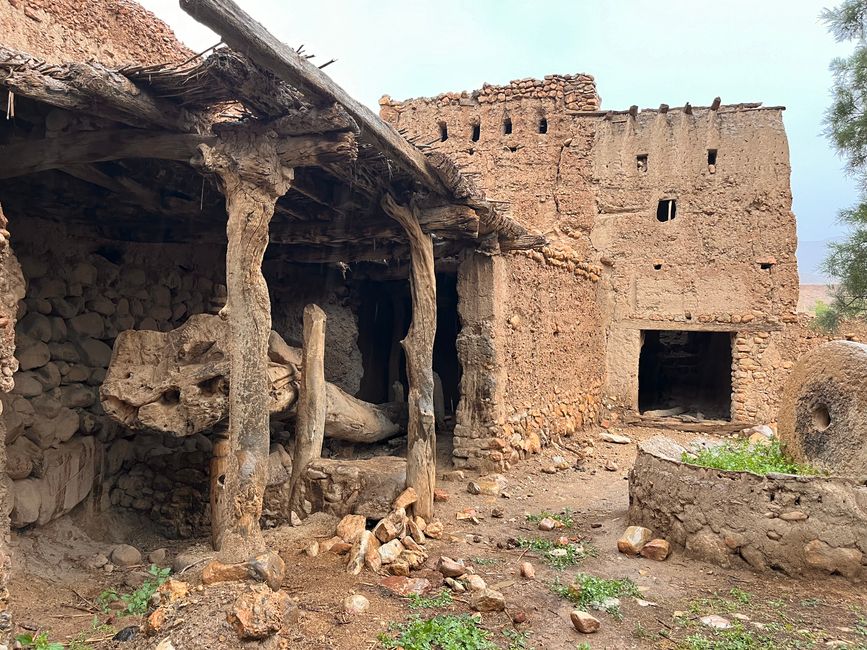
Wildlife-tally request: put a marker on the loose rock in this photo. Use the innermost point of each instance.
(487, 600)
(584, 622)
(528, 571)
(355, 604)
(125, 555)
(634, 539)
(450, 568)
(260, 612)
(656, 549)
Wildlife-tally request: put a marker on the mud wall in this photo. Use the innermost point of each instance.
(114, 32)
(808, 526)
(520, 146)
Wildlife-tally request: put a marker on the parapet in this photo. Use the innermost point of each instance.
(575, 92)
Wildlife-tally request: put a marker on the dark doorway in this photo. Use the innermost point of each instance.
(689, 372)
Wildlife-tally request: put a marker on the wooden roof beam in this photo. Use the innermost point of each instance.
(243, 34)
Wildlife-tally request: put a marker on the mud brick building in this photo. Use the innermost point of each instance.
(670, 273)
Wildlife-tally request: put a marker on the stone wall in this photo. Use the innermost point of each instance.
(592, 183)
(803, 526)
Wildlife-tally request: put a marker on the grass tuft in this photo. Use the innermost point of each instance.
(443, 632)
(564, 517)
(591, 592)
(558, 556)
(443, 599)
(741, 456)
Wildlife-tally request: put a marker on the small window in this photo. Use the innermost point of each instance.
(543, 125)
(477, 132)
(766, 266)
(657, 266)
(641, 162)
(666, 210)
(711, 156)
(444, 132)
(507, 126)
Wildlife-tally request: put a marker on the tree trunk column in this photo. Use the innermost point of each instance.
(312, 400)
(418, 345)
(252, 179)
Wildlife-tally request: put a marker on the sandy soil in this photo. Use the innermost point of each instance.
(53, 591)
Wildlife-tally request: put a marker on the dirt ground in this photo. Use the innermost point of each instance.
(53, 591)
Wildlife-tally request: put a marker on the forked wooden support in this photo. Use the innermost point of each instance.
(418, 345)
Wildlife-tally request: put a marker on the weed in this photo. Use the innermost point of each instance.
(443, 599)
(137, 601)
(443, 632)
(38, 642)
(743, 457)
(517, 640)
(583, 646)
(80, 640)
(812, 602)
(590, 591)
(564, 517)
(743, 597)
(640, 632)
(861, 626)
(484, 561)
(559, 556)
(735, 638)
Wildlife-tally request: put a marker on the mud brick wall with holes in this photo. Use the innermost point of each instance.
(658, 220)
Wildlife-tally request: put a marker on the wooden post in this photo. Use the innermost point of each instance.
(312, 399)
(252, 178)
(418, 345)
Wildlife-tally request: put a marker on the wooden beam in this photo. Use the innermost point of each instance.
(312, 400)
(418, 345)
(243, 34)
(31, 156)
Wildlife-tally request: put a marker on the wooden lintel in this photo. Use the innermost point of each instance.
(31, 156)
(243, 34)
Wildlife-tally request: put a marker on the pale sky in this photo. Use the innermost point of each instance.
(641, 52)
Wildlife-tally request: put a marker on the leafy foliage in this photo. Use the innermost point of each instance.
(735, 638)
(564, 517)
(137, 601)
(592, 591)
(559, 556)
(38, 642)
(742, 456)
(443, 599)
(846, 122)
(443, 632)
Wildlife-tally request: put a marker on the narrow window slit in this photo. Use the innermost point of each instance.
(477, 132)
(641, 162)
(666, 210)
(507, 126)
(444, 132)
(543, 125)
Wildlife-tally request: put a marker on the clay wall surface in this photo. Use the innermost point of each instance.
(546, 312)
(726, 262)
(801, 525)
(113, 32)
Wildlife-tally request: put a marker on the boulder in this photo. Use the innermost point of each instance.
(94, 353)
(21, 456)
(125, 555)
(487, 600)
(656, 549)
(634, 539)
(349, 528)
(822, 556)
(89, 324)
(26, 385)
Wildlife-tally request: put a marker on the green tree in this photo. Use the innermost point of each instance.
(846, 122)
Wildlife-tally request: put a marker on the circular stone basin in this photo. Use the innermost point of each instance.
(801, 525)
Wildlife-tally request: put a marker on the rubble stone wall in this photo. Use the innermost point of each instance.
(801, 525)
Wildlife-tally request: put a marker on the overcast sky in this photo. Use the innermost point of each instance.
(641, 52)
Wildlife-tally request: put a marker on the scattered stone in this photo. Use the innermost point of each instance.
(157, 556)
(294, 519)
(372, 560)
(795, 515)
(215, 571)
(350, 527)
(548, 524)
(615, 439)
(490, 485)
(455, 585)
(716, 622)
(656, 549)
(260, 612)
(171, 591)
(125, 555)
(269, 568)
(342, 548)
(474, 582)
(450, 568)
(528, 571)
(584, 622)
(612, 466)
(440, 495)
(355, 604)
(634, 539)
(96, 562)
(434, 529)
(126, 634)
(467, 514)
(165, 644)
(389, 552)
(473, 488)
(455, 476)
(487, 600)
(403, 586)
(155, 621)
(519, 617)
(560, 463)
(312, 549)
(549, 469)
(405, 499)
(497, 513)
(360, 551)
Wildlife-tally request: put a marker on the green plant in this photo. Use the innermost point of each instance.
(137, 601)
(443, 599)
(591, 591)
(443, 632)
(583, 646)
(743, 597)
(81, 641)
(734, 638)
(484, 561)
(742, 456)
(564, 517)
(517, 640)
(812, 602)
(557, 555)
(38, 642)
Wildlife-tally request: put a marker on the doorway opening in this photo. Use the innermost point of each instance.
(685, 372)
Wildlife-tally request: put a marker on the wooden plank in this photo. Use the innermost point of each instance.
(243, 34)
(31, 156)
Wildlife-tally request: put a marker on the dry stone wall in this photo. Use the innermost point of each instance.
(803, 526)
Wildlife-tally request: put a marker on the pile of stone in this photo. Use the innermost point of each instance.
(461, 578)
(638, 540)
(394, 546)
